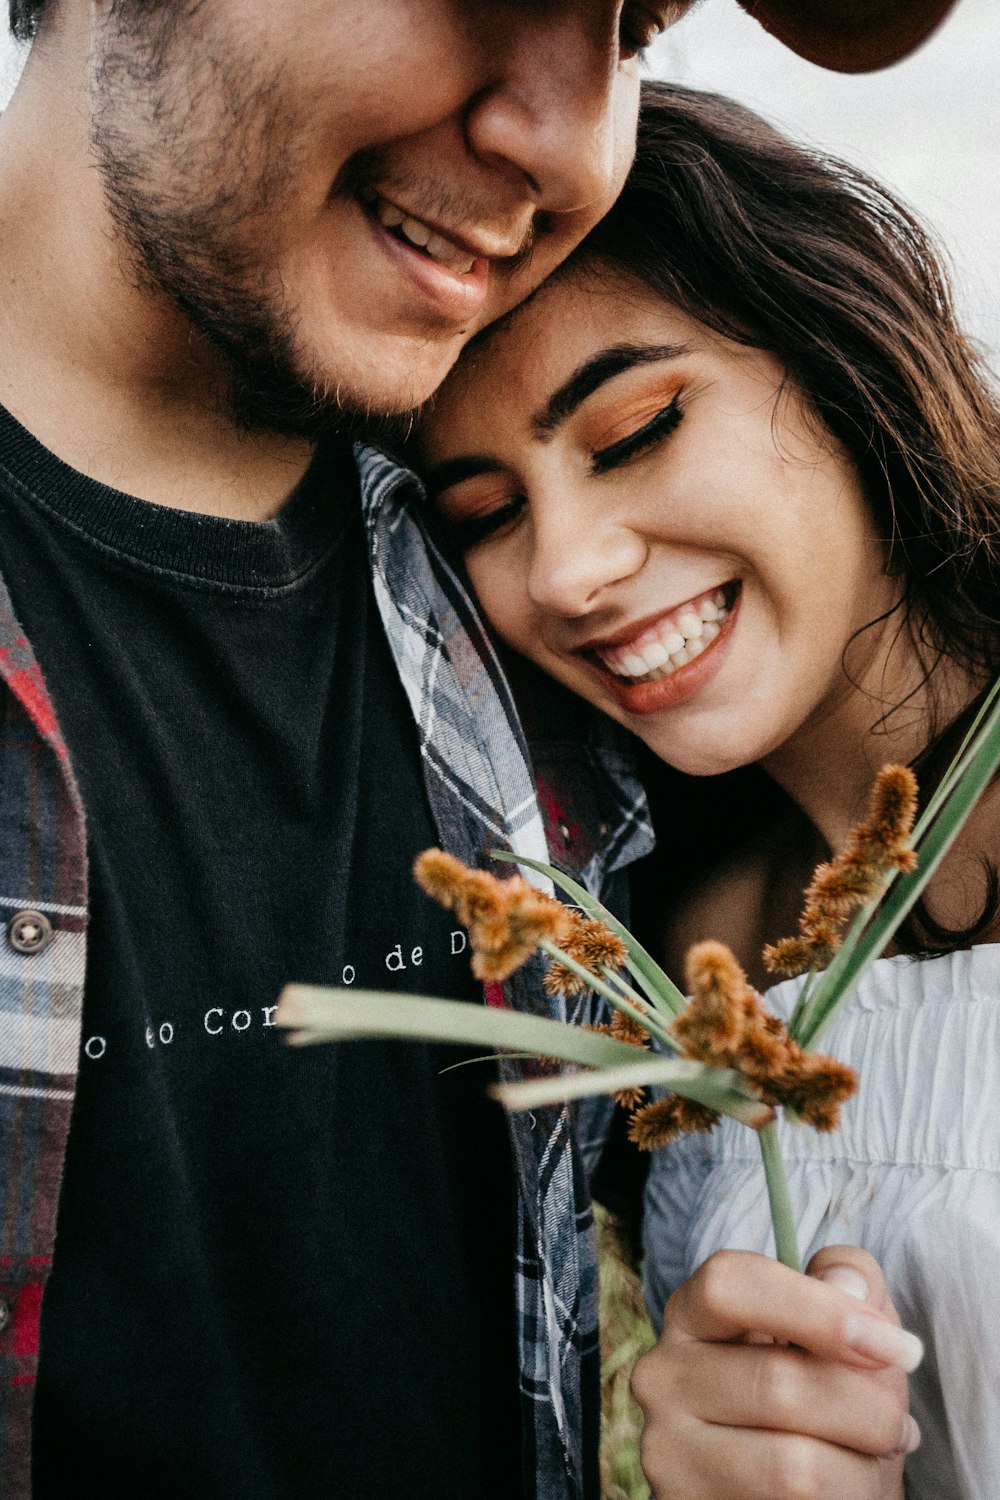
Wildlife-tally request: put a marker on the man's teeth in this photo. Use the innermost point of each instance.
(673, 642)
(433, 245)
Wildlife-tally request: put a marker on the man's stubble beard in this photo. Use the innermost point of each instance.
(188, 200)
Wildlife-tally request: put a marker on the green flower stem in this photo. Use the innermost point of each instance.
(634, 998)
(785, 1241)
(872, 929)
(314, 1014)
(805, 994)
(957, 768)
(644, 1019)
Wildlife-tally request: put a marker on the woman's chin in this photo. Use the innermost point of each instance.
(701, 755)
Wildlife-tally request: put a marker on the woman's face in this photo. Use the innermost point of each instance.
(650, 512)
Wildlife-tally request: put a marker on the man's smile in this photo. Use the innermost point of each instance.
(419, 234)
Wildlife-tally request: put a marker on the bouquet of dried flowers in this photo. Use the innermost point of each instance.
(715, 1050)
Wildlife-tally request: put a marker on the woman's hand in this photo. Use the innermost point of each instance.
(768, 1385)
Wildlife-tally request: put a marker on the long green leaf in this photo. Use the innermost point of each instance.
(314, 1013)
(975, 738)
(659, 986)
(719, 1088)
(849, 964)
(960, 759)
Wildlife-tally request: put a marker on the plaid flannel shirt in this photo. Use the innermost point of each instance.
(482, 793)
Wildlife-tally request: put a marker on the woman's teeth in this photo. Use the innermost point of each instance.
(423, 238)
(673, 641)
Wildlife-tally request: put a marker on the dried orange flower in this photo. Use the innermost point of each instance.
(506, 919)
(593, 946)
(815, 1087)
(725, 1024)
(844, 884)
(657, 1124)
(715, 1021)
(624, 1029)
(560, 980)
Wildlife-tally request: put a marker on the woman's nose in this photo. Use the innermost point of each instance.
(574, 561)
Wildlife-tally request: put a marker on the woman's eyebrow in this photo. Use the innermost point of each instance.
(604, 365)
(600, 367)
(455, 470)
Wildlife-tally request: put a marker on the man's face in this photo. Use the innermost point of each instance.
(339, 194)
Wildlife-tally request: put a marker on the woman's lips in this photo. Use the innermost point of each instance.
(652, 696)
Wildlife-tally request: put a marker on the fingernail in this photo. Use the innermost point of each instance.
(883, 1342)
(909, 1437)
(847, 1280)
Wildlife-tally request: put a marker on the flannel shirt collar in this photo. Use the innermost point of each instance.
(482, 793)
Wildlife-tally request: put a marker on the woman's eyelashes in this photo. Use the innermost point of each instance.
(659, 426)
(468, 533)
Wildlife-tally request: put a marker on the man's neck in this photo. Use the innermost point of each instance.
(109, 376)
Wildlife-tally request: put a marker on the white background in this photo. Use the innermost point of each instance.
(929, 127)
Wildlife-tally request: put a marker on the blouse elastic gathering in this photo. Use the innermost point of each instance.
(912, 1176)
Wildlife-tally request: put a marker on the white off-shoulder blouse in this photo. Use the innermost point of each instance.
(912, 1175)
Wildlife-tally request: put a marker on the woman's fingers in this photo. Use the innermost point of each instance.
(736, 1294)
(726, 1463)
(766, 1384)
(856, 1272)
(781, 1389)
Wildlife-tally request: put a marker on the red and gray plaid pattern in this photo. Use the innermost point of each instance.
(43, 869)
(482, 792)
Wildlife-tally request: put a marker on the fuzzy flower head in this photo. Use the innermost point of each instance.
(593, 945)
(715, 1021)
(657, 1124)
(877, 846)
(506, 919)
(726, 1024)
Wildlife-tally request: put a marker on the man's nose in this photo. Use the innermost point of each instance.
(558, 111)
(573, 562)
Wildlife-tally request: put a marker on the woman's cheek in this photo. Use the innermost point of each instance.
(499, 580)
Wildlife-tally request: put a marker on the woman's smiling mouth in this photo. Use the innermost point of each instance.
(673, 656)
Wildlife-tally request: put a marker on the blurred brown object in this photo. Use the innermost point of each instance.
(850, 36)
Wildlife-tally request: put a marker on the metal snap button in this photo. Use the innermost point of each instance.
(29, 932)
(6, 1313)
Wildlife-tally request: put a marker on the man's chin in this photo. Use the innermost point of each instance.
(263, 402)
(279, 388)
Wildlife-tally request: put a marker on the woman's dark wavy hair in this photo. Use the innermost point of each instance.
(778, 246)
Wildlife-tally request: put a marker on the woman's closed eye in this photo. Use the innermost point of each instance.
(659, 426)
(496, 513)
(468, 532)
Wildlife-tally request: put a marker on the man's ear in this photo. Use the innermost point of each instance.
(850, 36)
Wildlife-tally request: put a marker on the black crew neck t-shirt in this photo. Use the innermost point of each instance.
(279, 1273)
